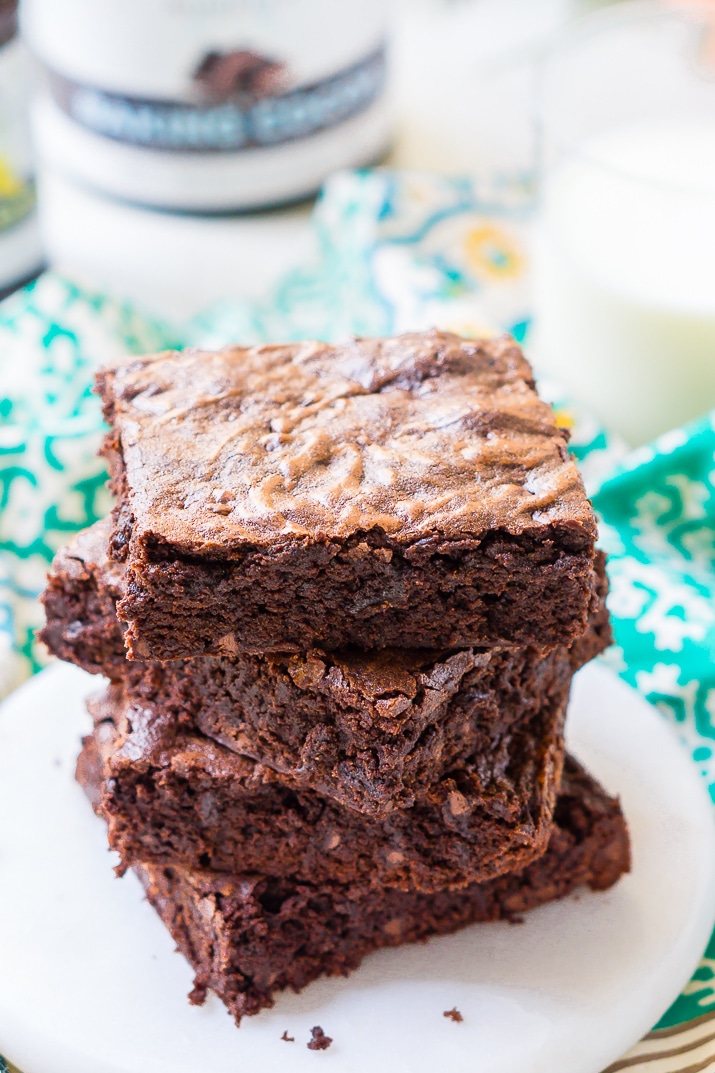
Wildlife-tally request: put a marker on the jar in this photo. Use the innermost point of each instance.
(20, 250)
(624, 250)
(209, 105)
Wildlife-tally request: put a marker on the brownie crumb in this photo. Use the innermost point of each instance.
(453, 1014)
(198, 995)
(287, 1038)
(319, 1042)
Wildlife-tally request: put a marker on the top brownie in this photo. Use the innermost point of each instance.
(383, 492)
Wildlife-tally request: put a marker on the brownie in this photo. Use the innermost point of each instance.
(249, 936)
(372, 731)
(8, 21)
(172, 794)
(379, 493)
(80, 600)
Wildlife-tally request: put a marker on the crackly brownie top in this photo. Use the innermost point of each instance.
(420, 434)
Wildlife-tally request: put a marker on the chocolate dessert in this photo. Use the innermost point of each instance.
(407, 492)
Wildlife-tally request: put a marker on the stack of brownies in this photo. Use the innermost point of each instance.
(340, 603)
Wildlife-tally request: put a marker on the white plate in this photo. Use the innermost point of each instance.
(89, 982)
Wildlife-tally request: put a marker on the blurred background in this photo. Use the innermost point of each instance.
(168, 152)
(458, 89)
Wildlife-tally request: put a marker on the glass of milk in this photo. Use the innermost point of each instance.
(624, 265)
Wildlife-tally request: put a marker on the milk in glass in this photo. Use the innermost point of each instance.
(626, 275)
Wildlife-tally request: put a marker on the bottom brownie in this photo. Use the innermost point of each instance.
(248, 937)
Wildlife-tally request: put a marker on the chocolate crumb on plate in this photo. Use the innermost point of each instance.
(453, 1014)
(319, 1042)
(287, 1038)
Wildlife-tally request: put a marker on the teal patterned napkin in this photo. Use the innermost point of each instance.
(397, 251)
(657, 522)
(53, 334)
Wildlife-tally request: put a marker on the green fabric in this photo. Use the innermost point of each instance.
(53, 334)
(657, 516)
(657, 522)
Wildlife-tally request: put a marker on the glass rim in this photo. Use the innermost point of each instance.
(582, 29)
